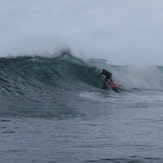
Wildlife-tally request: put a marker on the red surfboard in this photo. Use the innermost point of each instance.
(115, 85)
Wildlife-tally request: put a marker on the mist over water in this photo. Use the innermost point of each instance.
(127, 32)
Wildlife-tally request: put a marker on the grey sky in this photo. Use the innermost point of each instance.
(122, 31)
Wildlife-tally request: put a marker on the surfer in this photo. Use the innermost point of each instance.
(108, 75)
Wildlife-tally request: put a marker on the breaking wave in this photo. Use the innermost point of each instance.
(51, 87)
(23, 74)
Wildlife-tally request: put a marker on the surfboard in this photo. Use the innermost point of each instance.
(115, 85)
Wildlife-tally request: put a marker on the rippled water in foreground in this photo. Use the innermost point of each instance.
(101, 127)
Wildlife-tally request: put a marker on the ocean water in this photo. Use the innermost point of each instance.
(56, 110)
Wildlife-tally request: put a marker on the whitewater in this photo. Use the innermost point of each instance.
(56, 110)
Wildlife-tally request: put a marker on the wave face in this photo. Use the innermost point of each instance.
(47, 85)
(28, 84)
(21, 73)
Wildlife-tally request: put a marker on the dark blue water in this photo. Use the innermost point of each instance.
(56, 110)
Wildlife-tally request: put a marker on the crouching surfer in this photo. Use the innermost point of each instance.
(108, 76)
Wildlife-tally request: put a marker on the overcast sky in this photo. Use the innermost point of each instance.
(122, 31)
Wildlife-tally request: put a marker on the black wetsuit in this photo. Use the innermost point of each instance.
(107, 74)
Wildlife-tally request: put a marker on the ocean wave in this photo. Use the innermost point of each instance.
(53, 87)
(19, 74)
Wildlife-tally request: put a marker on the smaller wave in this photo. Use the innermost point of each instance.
(140, 77)
(130, 159)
